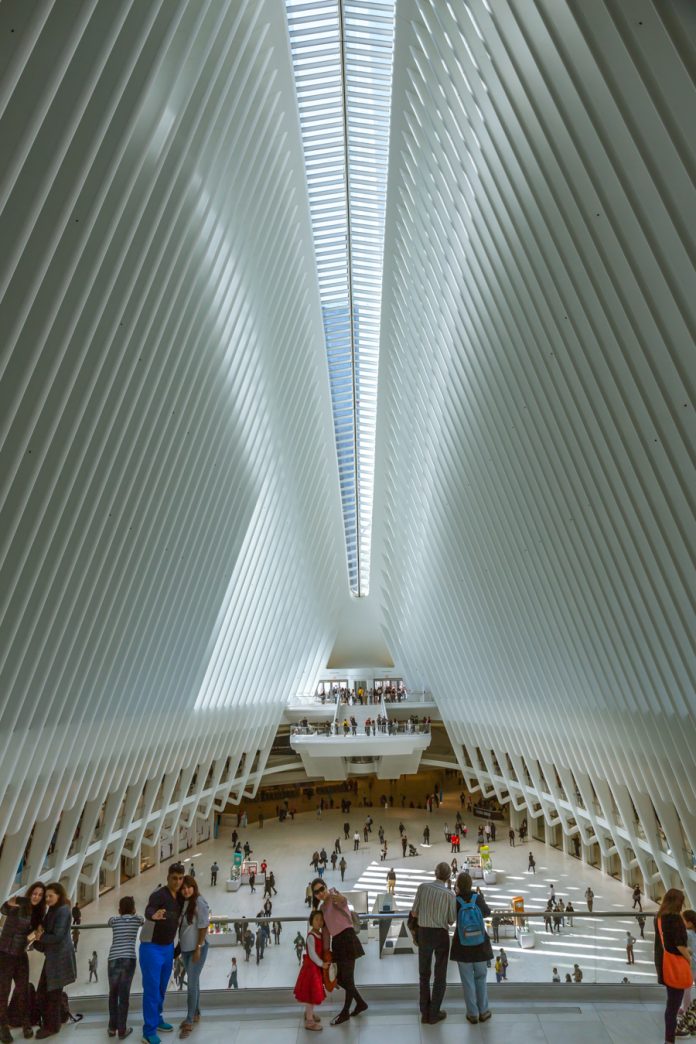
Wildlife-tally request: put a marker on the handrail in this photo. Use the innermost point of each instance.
(403, 914)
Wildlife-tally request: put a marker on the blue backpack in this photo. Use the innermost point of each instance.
(470, 926)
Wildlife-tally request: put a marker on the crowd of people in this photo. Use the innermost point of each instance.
(349, 726)
(362, 696)
(174, 927)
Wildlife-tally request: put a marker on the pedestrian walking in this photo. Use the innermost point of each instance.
(630, 942)
(391, 881)
(342, 867)
(504, 962)
(531, 866)
(214, 871)
(232, 980)
(356, 841)
(92, 966)
(589, 898)
(636, 898)
(511, 837)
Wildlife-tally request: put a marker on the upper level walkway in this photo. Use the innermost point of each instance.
(361, 739)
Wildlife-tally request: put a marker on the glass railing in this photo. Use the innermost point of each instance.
(333, 729)
(539, 948)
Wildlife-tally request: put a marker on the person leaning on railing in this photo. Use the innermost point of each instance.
(121, 964)
(59, 970)
(23, 915)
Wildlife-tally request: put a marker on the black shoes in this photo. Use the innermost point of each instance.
(342, 1016)
(473, 1019)
(486, 1016)
(437, 1017)
(5, 1035)
(359, 1008)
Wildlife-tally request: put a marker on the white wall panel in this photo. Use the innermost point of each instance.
(535, 474)
(170, 529)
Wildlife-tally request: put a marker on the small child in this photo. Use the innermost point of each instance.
(309, 988)
(498, 970)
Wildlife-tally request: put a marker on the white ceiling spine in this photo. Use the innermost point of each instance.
(171, 560)
(535, 476)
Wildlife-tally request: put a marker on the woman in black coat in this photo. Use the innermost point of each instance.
(669, 921)
(53, 939)
(22, 915)
(472, 960)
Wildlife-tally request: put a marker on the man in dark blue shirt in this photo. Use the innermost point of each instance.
(162, 915)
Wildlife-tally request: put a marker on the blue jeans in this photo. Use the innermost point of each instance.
(193, 975)
(156, 968)
(120, 973)
(473, 978)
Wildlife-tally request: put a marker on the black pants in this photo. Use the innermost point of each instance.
(345, 978)
(432, 942)
(120, 973)
(49, 1005)
(674, 999)
(14, 968)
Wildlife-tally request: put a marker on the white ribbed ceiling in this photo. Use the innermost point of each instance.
(172, 523)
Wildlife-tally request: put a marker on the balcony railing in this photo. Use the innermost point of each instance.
(539, 947)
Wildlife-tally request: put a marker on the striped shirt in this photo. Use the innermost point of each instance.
(125, 930)
(435, 905)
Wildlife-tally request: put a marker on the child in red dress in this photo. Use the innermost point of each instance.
(309, 988)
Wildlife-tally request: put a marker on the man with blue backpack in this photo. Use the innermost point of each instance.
(471, 949)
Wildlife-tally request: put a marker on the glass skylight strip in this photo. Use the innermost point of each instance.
(342, 53)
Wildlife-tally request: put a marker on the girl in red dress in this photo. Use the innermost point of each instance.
(309, 988)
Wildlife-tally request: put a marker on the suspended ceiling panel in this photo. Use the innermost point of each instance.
(536, 486)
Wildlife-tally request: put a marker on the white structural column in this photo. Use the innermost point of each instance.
(535, 513)
(168, 574)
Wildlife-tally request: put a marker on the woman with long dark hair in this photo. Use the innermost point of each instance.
(346, 948)
(23, 916)
(53, 939)
(193, 928)
(670, 938)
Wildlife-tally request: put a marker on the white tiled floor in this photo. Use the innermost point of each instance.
(596, 945)
(602, 1024)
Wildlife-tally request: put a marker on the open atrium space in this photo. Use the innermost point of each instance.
(347, 520)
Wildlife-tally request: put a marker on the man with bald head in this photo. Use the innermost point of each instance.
(434, 908)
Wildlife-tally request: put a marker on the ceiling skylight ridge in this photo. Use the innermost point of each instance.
(342, 53)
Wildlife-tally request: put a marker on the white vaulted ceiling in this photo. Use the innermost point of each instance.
(173, 531)
(536, 441)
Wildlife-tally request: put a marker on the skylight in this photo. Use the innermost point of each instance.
(342, 53)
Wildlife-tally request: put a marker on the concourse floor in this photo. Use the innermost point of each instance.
(598, 946)
(569, 1024)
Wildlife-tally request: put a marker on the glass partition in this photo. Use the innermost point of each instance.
(539, 948)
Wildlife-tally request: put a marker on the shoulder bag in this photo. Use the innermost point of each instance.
(676, 970)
